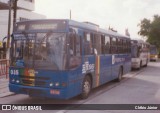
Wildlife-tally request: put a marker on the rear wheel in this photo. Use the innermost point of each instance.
(86, 87)
(120, 73)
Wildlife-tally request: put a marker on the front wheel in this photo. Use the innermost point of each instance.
(86, 87)
(140, 66)
(146, 64)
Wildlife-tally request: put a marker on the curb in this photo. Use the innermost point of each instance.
(6, 94)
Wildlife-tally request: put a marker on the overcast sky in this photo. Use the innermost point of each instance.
(119, 14)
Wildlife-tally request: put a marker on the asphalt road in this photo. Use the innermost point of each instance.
(137, 87)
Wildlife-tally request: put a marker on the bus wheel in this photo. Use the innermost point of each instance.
(140, 66)
(120, 73)
(86, 87)
(146, 64)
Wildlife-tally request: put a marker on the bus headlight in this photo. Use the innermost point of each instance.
(51, 84)
(17, 81)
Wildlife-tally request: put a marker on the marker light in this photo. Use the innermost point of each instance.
(57, 84)
(13, 80)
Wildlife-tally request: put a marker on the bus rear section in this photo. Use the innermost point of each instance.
(140, 53)
(153, 53)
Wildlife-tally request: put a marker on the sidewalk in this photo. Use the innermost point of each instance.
(4, 90)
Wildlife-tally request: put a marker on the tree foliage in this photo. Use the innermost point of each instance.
(151, 30)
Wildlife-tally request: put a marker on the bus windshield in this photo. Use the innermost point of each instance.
(153, 50)
(40, 50)
(135, 49)
(134, 52)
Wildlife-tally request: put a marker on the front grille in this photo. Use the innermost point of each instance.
(27, 82)
(32, 77)
(33, 81)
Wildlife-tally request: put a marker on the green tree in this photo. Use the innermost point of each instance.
(151, 30)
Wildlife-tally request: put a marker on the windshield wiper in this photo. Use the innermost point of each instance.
(46, 36)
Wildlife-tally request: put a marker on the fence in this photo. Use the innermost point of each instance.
(4, 68)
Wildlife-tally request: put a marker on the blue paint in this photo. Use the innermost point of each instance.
(69, 81)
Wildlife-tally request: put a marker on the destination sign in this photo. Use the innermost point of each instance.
(24, 37)
(42, 25)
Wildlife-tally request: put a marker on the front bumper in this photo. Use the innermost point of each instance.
(38, 91)
(153, 58)
(135, 63)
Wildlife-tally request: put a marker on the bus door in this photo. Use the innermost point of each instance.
(75, 59)
(90, 53)
(105, 59)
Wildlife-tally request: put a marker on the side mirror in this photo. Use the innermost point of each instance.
(71, 30)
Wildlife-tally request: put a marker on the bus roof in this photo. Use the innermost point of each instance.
(95, 28)
(83, 25)
(140, 41)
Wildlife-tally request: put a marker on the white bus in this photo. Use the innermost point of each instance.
(153, 53)
(140, 52)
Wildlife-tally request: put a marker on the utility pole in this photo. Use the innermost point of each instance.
(12, 4)
(9, 23)
(14, 13)
(70, 14)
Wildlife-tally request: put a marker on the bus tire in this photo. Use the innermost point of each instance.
(140, 66)
(86, 87)
(146, 64)
(120, 73)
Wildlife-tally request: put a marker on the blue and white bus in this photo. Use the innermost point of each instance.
(140, 52)
(61, 58)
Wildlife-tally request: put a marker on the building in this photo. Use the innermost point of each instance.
(25, 10)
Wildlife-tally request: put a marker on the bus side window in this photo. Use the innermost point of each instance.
(97, 44)
(88, 44)
(72, 48)
(103, 49)
(129, 46)
(107, 44)
(121, 46)
(113, 45)
(78, 46)
(124, 46)
(118, 45)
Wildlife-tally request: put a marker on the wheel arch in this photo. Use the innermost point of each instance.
(122, 67)
(91, 78)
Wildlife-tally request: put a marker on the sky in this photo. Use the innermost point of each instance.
(118, 14)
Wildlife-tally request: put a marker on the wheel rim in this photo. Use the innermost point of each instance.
(86, 87)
